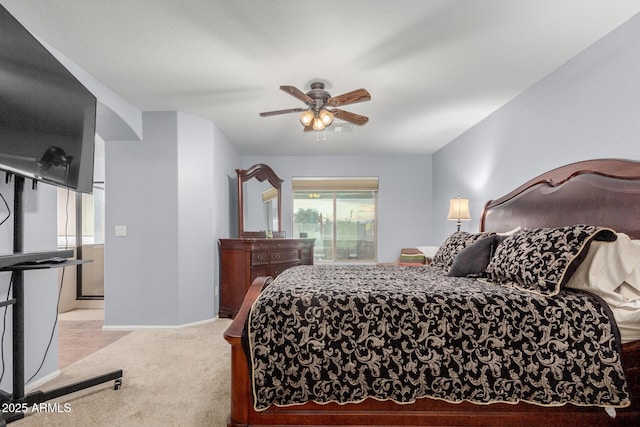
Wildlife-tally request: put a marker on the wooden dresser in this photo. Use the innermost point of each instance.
(242, 260)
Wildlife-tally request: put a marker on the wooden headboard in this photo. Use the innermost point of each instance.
(604, 192)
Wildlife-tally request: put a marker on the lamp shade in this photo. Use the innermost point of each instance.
(306, 118)
(459, 209)
(326, 116)
(318, 124)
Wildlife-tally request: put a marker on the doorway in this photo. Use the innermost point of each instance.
(81, 227)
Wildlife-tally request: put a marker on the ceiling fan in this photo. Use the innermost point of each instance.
(317, 116)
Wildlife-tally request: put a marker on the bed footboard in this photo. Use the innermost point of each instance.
(240, 385)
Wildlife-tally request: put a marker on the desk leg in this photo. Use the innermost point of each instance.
(18, 335)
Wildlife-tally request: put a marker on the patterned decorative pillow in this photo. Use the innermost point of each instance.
(452, 246)
(542, 260)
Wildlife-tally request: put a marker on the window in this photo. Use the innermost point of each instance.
(340, 213)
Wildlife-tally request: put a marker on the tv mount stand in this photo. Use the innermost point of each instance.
(18, 263)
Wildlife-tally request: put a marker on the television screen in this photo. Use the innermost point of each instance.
(47, 117)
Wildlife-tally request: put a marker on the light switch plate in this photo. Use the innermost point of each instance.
(121, 230)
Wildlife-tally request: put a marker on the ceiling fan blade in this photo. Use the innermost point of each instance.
(358, 95)
(356, 119)
(297, 93)
(290, 110)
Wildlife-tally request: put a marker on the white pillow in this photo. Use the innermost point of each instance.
(428, 251)
(612, 271)
(606, 267)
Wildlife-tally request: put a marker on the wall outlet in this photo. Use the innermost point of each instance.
(121, 230)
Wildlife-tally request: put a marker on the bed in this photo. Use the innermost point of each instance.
(596, 200)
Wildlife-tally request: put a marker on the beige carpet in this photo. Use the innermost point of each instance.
(172, 377)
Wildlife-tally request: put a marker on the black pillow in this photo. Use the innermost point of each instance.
(459, 240)
(473, 260)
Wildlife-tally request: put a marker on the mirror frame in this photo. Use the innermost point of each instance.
(262, 173)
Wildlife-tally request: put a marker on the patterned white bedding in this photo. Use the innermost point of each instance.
(346, 333)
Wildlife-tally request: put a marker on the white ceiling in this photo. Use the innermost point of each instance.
(434, 68)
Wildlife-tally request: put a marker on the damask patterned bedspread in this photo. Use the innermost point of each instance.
(345, 333)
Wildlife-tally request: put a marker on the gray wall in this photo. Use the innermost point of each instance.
(141, 193)
(196, 243)
(226, 159)
(404, 199)
(588, 108)
(40, 287)
(163, 188)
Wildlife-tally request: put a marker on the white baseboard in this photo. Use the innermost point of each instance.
(34, 385)
(89, 303)
(134, 327)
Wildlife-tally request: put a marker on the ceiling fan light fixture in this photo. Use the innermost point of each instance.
(306, 118)
(315, 116)
(318, 124)
(326, 117)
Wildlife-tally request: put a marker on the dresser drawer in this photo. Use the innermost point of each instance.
(284, 256)
(259, 245)
(259, 271)
(306, 253)
(275, 270)
(259, 258)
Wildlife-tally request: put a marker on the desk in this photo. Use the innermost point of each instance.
(18, 263)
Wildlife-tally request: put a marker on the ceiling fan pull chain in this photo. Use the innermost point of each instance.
(324, 135)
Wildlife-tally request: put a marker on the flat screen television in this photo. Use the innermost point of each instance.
(47, 117)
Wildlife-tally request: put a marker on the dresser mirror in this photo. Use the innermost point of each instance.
(259, 202)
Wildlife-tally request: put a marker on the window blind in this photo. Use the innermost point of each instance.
(335, 184)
